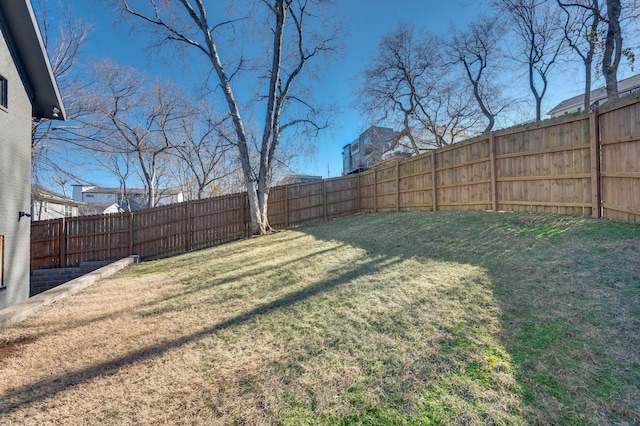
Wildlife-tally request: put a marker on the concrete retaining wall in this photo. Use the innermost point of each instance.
(46, 279)
(20, 311)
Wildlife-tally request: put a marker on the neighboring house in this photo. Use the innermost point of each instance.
(598, 97)
(91, 209)
(401, 146)
(293, 179)
(367, 150)
(132, 200)
(28, 91)
(49, 205)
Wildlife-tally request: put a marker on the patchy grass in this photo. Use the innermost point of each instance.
(382, 319)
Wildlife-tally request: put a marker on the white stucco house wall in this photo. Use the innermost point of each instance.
(27, 90)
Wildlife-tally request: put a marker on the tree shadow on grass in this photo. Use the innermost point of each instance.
(193, 286)
(49, 387)
(555, 312)
(540, 340)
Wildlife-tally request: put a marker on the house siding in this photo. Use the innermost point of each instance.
(15, 168)
(367, 150)
(46, 210)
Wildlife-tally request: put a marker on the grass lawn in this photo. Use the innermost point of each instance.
(376, 319)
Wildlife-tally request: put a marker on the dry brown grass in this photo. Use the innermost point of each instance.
(374, 319)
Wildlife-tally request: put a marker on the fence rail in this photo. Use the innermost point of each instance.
(587, 164)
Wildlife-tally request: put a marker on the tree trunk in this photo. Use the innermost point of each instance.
(534, 90)
(588, 59)
(475, 83)
(257, 209)
(612, 49)
(259, 224)
(587, 83)
(407, 129)
(263, 197)
(152, 195)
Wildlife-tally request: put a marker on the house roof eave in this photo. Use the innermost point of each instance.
(25, 35)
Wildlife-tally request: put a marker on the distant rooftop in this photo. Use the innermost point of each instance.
(597, 95)
(130, 191)
(40, 193)
(293, 179)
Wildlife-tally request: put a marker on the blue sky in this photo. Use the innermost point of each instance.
(365, 22)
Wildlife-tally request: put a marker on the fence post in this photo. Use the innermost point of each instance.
(324, 198)
(398, 185)
(243, 204)
(109, 228)
(187, 225)
(357, 175)
(131, 253)
(492, 160)
(434, 186)
(594, 139)
(286, 206)
(375, 190)
(63, 243)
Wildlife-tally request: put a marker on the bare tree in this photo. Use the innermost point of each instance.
(406, 84)
(612, 48)
(582, 27)
(64, 44)
(477, 50)
(119, 163)
(134, 119)
(537, 26)
(290, 49)
(596, 28)
(203, 151)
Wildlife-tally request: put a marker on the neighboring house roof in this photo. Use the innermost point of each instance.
(130, 191)
(293, 179)
(41, 194)
(25, 41)
(597, 95)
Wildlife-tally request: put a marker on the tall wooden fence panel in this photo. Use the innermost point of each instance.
(416, 183)
(277, 208)
(545, 168)
(367, 191)
(46, 239)
(386, 187)
(463, 176)
(97, 238)
(305, 202)
(217, 220)
(587, 164)
(619, 131)
(310, 202)
(341, 196)
(159, 232)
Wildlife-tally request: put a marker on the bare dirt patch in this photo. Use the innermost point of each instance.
(11, 347)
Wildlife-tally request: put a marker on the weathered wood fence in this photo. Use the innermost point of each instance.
(180, 228)
(578, 165)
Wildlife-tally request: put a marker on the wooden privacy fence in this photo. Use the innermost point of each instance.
(546, 168)
(579, 165)
(180, 228)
